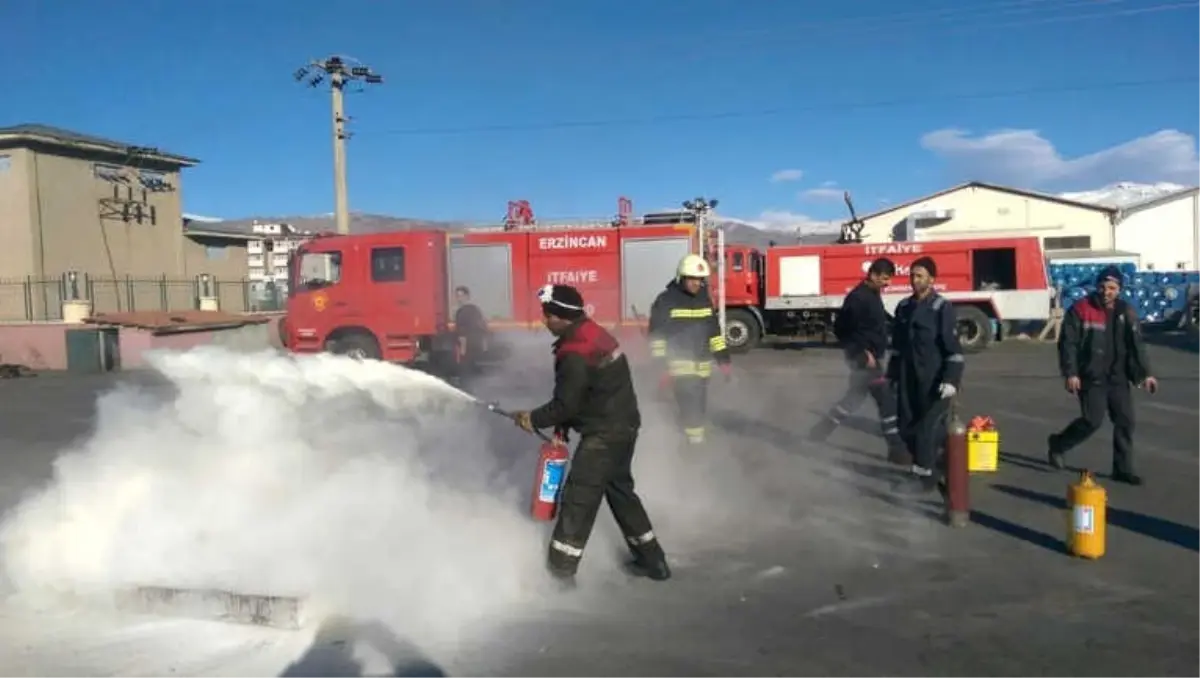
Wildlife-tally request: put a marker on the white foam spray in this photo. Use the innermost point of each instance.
(376, 490)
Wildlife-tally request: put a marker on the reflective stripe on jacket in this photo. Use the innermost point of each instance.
(684, 332)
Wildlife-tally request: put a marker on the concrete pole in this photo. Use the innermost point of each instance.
(341, 199)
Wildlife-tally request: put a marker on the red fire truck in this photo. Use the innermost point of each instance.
(388, 295)
(796, 290)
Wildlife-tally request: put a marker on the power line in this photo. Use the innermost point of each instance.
(1039, 12)
(767, 112)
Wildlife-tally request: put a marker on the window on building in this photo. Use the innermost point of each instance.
(5, 163)
(153, 180)
(1071, 242)
(108, 172)
(387, 264)
(216, 252)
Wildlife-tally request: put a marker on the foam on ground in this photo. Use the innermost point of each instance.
(370, 488)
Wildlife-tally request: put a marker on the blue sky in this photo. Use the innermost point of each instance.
(870, 96)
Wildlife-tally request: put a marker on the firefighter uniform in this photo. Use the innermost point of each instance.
(1101, 345)
(594, 395)
(926, 369)
(686, 337)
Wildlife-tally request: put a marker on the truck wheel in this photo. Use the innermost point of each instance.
(974, 329)
(741, 331)
(356, 345)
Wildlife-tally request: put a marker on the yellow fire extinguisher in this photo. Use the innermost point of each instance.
(1086, 503)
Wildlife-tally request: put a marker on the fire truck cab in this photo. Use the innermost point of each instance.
(372, 296)
(796, 291)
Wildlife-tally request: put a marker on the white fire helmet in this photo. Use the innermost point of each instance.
(692, 266)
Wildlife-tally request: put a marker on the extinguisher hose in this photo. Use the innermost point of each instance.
(494, 408)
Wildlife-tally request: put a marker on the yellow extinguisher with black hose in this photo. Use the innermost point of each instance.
(1086, 503)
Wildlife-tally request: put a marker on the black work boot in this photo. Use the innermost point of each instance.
(822, 430)
(1054, 455)
(898, 455)
(922, 481)
(564, 579)
(656, 569)
(1127, 478)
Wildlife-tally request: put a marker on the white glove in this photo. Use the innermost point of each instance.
(947, 390)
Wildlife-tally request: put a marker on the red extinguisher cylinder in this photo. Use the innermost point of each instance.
(548, 480)
(958, 477)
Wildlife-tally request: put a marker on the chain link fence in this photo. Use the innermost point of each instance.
(33, 299)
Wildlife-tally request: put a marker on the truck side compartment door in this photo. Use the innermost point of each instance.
(486, 270)
(647, 265)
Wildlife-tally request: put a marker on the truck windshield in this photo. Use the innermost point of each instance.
(314, 270)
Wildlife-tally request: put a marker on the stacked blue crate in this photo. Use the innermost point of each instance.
(1158, 296)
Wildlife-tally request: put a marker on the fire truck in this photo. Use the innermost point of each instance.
(796, 290)
(388, 295)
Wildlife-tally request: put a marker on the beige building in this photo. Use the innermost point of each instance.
(1163, 231)
(981, 210)
(104, 209)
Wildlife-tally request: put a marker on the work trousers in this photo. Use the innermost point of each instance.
(1114, 398)
(691, 397)
(864, 382)
(601, 469)
(923, 430)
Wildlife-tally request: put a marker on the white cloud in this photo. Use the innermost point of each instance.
(787, 175)
(1022, 157)
(823, 193)
(789, 222)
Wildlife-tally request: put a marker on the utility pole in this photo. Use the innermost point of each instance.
(702, 208)
(340, 73)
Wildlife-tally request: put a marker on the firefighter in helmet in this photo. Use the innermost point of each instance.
(685, 336)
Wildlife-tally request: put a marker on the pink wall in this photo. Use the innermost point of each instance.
(38, 346)
(43, 346)
(135, 342)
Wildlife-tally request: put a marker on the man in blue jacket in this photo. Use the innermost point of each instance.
(926, 369)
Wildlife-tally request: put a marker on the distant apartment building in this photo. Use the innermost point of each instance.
(267, 256)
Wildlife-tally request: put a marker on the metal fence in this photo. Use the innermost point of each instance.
(33, 299)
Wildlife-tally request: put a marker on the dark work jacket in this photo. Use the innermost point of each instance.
(1099, 345)
(593, 387)
(470, 324)
(925, 351)
(684, 329)
(862, 324)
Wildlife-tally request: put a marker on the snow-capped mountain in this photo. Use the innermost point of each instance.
(1124, 194)
(201, 219)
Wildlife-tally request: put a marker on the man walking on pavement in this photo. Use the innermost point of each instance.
(926, 369)
(1100, 354)
(685, 334)
(861, 328)
(594, 395)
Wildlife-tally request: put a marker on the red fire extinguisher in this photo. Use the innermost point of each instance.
(548, 480)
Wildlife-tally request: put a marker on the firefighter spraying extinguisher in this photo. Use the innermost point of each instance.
(548, 481)
(593, 396)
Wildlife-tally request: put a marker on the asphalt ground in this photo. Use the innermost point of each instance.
(848, 579)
